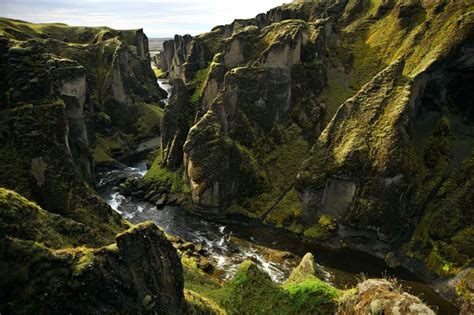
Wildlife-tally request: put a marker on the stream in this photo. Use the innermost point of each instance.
(231, 242)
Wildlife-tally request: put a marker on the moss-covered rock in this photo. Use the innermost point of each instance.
(37, 162)
(251, 291)
(199, 305)
(307, 269)
(72, 98)
(178, 118)
(380, 296)
(49, 264)
(96, 71)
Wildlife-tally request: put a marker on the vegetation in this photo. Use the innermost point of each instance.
(251, 291)
(171, 179)
(159, 74)
(199, 82)
(323, 229)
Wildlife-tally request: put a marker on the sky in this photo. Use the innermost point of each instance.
(158, 18)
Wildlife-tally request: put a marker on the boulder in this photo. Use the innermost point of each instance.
(377, 296)
(307, 268)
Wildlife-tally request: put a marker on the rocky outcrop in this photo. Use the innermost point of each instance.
(65, 90)
(174, 55)
(307, 268)
(230, 126)
(241, 112)
(375, 296)
(178, 118)
(375, 166)
(140, 272)
(251, 291)
(37, 161)
(103, 76)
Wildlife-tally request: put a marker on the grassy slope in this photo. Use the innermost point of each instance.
(251, 291)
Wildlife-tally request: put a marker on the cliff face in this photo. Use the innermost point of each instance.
(103, 76)
(42, 272)
(322, 116)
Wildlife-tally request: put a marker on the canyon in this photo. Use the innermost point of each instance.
(267, 153)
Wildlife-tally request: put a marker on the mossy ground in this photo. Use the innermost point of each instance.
(171, 179)
(199, 83)
(106, 148)
(279, 167)
(251, 291)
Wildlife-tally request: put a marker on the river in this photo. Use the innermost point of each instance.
(231, 242)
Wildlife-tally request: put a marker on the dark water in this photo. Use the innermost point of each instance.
(344, 268)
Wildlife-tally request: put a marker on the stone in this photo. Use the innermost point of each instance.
(307, 268)
(205, 265)
(187, 245)
(391, 260)
(377, 296)
(161, 201)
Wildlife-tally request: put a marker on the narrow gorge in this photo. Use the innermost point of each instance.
(315, 159)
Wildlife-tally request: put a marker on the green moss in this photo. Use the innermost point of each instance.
(172, 179)
(443, 237)
(324, 229)
(159, 74)
(148, 123)
(251, 291)
(463, 290)
(196, 304)
(105, 149)
(85, 261)
(24, 219)
(287, 211)
(279, 202)
(59, 31)
(314, 292)
(199, 83)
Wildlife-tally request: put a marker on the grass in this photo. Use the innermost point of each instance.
(197, 304)
(159, 73)
(16, 29)
(199, 83)
(148, 123)
(173, 179)
(280, 166)
(251, 291)
(105, 149)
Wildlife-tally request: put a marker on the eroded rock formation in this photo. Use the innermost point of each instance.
(42, 271)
